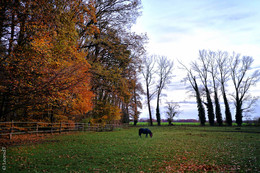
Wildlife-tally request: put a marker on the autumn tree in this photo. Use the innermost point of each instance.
(51, 49)
(164, 71)
(43, 69)
(243, 79)
(111, 54)
(135, 103)
(130, 108)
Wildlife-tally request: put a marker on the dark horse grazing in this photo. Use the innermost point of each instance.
(145, 131)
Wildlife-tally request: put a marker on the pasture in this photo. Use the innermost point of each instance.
(172, 149)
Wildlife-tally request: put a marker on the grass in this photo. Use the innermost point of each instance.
(172, 149)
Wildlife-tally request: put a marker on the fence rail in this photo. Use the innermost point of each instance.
(16, 128)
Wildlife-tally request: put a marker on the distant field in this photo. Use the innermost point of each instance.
(172, 149)
(165, 123)
(179, 123)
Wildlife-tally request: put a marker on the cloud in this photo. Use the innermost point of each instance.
(172, 20)
(179, 29)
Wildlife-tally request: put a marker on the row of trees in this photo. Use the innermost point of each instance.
(69, 59)
(78, 59)
(232, 74)
(211, 75)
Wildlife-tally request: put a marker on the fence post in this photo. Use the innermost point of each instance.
(37, 129)
(11, 129)
(60, 127)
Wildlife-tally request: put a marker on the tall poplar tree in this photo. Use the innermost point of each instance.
(223, 77)
(191, 78)
(213, 70)
(164, 71)
(202, 68)
(148, 72)
(243, 81)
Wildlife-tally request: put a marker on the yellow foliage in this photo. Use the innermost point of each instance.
(107, 113)
(105, 117)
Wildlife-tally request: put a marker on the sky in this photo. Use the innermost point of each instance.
(178, 29)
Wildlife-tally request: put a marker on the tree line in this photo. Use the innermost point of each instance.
(78, 60)
(69, 60)
(230, 74)
(214, 74)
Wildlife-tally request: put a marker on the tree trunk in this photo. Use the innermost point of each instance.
(135, 121)
(2, 20)
(2, 17)
(158, 116)
(125, 113)
(227, 110)
(201, 109)
(218, 110)
(239, 113)
(210, 108)
(22, 18)
(135, 108)
(149, 106)
(2, 107)
(12, 35)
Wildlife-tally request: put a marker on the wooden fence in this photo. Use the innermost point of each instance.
(16, 128)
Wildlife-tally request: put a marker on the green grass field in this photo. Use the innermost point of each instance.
(172, 149)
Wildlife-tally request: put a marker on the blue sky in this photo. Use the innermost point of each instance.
(178, 29)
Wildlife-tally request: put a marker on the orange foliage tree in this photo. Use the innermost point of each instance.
(113, 53)
(43, 70)
(68, 60)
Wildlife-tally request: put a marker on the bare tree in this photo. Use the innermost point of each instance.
(223, 77)
(193, 82)
(172, 111)
(214, 73)
(243, 79)
(200, 106)
(148, 71)
(202, 70)
(165, 67)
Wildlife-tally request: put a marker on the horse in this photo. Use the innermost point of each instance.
(145, 131)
